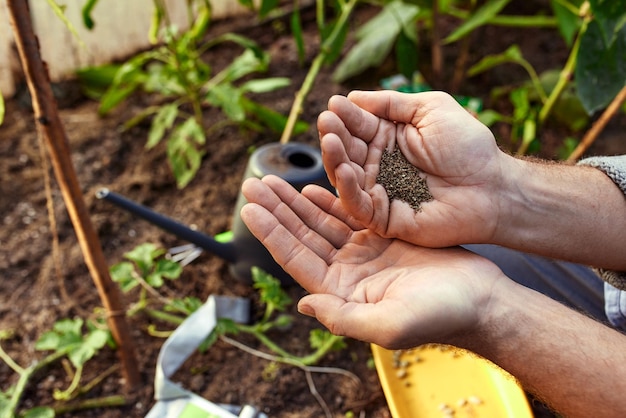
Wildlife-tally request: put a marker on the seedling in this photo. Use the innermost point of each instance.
(183, 84)
(70, 339)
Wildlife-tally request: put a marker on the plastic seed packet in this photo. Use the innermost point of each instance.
(174, 401)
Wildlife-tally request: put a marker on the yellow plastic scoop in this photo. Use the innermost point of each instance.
(444, 381)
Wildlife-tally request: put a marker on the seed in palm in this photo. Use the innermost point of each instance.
(402, 180)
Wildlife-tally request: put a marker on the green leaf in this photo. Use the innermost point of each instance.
(376, 40)
(487, 11)
(66, 333)
(49, 340)
(223, 326)
(270, 118)
(489, 117)
(186, 305)
(94, 81)
(512, 55)
(265, 85)
(568, 21)
(333, 50)
(86, 13)
(610, 16)
(68, 326)
(247, 63)
(296, 32)
(267, 6)
(228, 98)
(163, 269)
(128, 78)
(163, 120)
(143, 256)
(521, 104)
(168, 269)
(270, 291)
(123, 274)
(567, 147)
(319, 337)
(182, 155)
(406, 55)
(245, 42)
(39, 412)
(92, 343)
(600, 70)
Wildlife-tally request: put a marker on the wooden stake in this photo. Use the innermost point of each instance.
(50, 127)
(598, 126)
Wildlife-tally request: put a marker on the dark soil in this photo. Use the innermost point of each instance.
(402, 180)
(43, 282)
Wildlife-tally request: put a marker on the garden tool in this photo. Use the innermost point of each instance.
(436, 380)
(298, 164)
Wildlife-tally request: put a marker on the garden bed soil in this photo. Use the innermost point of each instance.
(41, 284)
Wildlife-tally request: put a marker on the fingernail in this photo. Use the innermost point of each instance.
(306, 310)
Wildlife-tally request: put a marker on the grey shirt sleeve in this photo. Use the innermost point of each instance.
(615, 168)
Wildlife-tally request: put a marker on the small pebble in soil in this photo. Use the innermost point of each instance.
(402, 180)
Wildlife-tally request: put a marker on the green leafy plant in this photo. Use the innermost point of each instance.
(71, 339)
(597, 33)
(393, 27)
(147, 267)
(274, 298)
(589, 80)
(184, 84)
(332, 34)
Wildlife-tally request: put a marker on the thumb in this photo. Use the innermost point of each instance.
(360, 321)
(402, 107)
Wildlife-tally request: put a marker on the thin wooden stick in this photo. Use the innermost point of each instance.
(50, 126)
(598, 126)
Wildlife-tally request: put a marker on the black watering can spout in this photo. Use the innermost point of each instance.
(225, 250)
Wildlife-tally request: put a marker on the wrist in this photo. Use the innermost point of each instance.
(509, 198)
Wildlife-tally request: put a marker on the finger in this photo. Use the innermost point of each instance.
(277, 197)
(296, 258)
(368, 207)
(354, 146)
(358, 122)
(329, 203)
(319, 221)
(334, 154)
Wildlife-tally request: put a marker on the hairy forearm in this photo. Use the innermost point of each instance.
(567, 212)
(571, 362)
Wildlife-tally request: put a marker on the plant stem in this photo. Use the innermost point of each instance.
(107, 401)
(267, 342)
(164, 316)
(314, 70)
(511, 21)
(67, 394)
(25, 376)
(291, 362)
(9, 361)
(566, 73)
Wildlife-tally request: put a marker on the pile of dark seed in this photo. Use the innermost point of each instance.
(402, 180)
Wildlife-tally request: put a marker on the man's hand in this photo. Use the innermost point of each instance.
(362, 285)
(463, 167)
